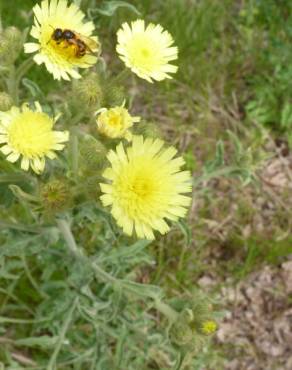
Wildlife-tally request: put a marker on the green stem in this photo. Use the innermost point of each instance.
(35, 229)
(31, 278)
(69, 238)
(22, 70)
(74, 152)
(166, 310)
(11, 84)
(52, 362)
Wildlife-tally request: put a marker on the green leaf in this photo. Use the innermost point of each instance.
(32, 87)
(44, 342)
(22, 244)
(22, 195)
(186, 231)
(110, 7)
(11, 178)
(286, 116)
(143, 290)
(129, 252)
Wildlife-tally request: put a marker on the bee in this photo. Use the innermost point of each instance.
(81, 43)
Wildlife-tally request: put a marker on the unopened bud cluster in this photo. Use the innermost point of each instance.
(194, 323)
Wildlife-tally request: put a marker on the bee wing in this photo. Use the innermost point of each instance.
(91, 44)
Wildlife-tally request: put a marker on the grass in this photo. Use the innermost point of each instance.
(233, 88)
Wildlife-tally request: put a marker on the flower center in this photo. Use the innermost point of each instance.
(30, 134)
(142, 187)
(144, 52)
(64, 49)
(114, 120)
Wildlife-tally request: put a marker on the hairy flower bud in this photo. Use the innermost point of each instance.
(148, 129)
(92, 188)
(92, 153)
(113, 96)
(181, 333)
(56, 196)
(6, 101)
(11, 43)
(87, 93)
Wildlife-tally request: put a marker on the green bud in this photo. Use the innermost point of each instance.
(87, 93)
(92, 187)
(181, 333)
(56, 196)
(92, 154)
(11, 44)
(148, 129)
(6, 101)
(4, 48)
(113, 96)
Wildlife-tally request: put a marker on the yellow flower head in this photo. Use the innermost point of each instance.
(29, 134)
(145, 187)
(209, 327)
(147, 51)
(60, 56)
(115, 122)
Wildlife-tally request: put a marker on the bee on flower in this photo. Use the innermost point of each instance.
(116, 122)
(28, 134)
(147, 50)
(64, 41)
(145, 187)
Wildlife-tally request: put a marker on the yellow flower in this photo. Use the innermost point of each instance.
(115, 122)
(59, 58)
(209, 327)
(29, 134)
(147, 51)
(145, 187)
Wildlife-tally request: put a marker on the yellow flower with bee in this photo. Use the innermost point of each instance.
(64, 42)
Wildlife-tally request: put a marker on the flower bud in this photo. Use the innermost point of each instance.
(116, 122)
(92, 188)
(87, 93)
(6, 101)
(92, 153)
(113, 96)
(181, 333)
(56, 196)
(208, 327)
(148, 129)
(11, 43)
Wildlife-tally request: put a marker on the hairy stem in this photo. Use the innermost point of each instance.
(52, 362)
(11, 84)
(74, 153)
(166, 310)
